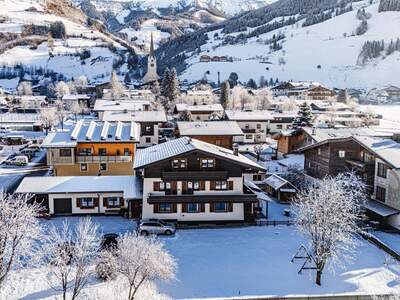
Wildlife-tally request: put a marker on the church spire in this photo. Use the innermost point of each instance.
(151, 46)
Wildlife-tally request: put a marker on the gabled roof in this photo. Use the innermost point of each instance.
(120, 105)
(386, 149)
(179, 107)
(183, 145)
(255, 115)
(276, 182)
(228, 128)
(158, 116)
(93, 131)
(129, 185)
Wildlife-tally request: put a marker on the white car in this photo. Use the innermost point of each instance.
(154, 226)
(20, 160)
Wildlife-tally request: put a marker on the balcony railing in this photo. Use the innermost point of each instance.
(98, 159)
(194, 175)
(203, 197)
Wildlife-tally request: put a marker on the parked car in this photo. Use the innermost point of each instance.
(20, 160)
(155, 226)
(109, 241)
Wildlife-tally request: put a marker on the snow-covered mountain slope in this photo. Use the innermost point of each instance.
(28, 51)
(327, 52)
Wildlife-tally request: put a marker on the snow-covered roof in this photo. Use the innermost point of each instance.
(129, 185)
(136, 116)
(321, 134)
(255, 115)
(120, 105)
(380, 208)
(75, 97)
(387, 150)
(228, 128)
(180, 107)
(93, 131)
(184, 145)
(19, 118)
(275, 181)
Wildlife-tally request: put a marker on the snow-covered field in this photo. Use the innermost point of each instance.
(232, 261)
(329, 44)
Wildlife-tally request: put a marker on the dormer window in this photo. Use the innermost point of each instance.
(179, 164)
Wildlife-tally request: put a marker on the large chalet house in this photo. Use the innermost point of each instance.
(188, 180)
(220, 133)
(303, 90)
(102, 106)
(90, 148)
(200, 112)
(149, 122)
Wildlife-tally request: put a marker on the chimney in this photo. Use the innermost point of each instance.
(314, 131)
(396, 137)
(235, 148)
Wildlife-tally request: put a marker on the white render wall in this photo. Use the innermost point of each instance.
(78, 210)
(391, 183)
(236, 215)
(153, 138)
(262, 133)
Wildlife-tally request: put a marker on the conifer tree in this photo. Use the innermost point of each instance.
(224, 98)
(304, 116)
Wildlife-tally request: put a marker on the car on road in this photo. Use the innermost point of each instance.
(155, 226)
(109, 241)
(20, 160)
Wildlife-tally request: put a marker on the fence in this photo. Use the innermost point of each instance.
(273, 222)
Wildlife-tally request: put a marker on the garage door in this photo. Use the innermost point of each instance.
(62, 206)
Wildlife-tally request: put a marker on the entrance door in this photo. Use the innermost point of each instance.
(136, 209)
(62, 206)
(248, 212)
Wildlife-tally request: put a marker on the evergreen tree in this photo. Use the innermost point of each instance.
(252, 84)
(271, 82)
(164, 82)
(262, 82)
(225, 90)
(304, 116)
(233, 79)
(173, 85)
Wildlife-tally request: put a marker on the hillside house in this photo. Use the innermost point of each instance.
(120, 106)
(191, 181)
(200, 112)
(93, 148)
(219, 133)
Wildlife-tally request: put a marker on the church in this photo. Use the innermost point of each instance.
(151, 74)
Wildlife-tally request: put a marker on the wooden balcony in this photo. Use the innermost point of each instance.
(202, 197)
(194, 175)
(98, 159)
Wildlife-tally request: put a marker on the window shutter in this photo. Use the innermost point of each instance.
(96, 202)
(202, 207)
(184, 207)
(156, 208)
(174, 186)
(230, 185)
(211, 207)
(105, 202)
(230, 207)
(156, 186)
(202, 185)
(78, 202)
(174, 208)
(121, 202)
(184, 186)
(212, 185)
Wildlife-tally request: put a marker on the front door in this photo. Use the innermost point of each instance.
(136, 209)
(62, 206)
(248, 212)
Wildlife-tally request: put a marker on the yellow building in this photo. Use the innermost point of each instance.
(90, 148)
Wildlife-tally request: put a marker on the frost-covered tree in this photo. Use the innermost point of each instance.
(165, 82)
(24, 88)
(225, 91)
(370, 50)
(327, 214)
(62, 89)
(258, 150)
(263, 99)
(116, 87)
(389, 5)
(362, 28)
(19, 228)
(139, 260)
(172, 90)
(48, 118)
(155, 88)
(77, 108)
(68, 256)
(185, 116)
(304, 116)
(61, 113)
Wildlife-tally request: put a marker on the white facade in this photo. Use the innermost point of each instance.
(151, 74)
(236, 215)
(253, 132)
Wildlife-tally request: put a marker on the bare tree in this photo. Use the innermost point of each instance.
(48, 118)
(139, 260)
(19, 227)
(62, 89)
(116, 87)
(60, 113)
(77, 108)
(24, 88)
(327, 214)
(69, 256)
(258, 149)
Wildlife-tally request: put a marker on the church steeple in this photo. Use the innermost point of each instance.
(151, 46)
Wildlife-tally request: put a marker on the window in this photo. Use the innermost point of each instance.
(102, 151)
(165, 208)
(103, 166)
(85, 151)
(148, 140)
(382, 170)
(165, 186)
(257, 177)
(192, 186)
(148, 129)
(220, 207)
(113, 202)
(179, 163)
(247, 126)
(279, 126)
(84, 167)
(258, 126)
(192, 208)
(249, 136)
(342, 153)
(319, 151)
(207, 163)
(65, 152)
(87, 202)
(126, 152)
(221, 185)
(380, 194)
